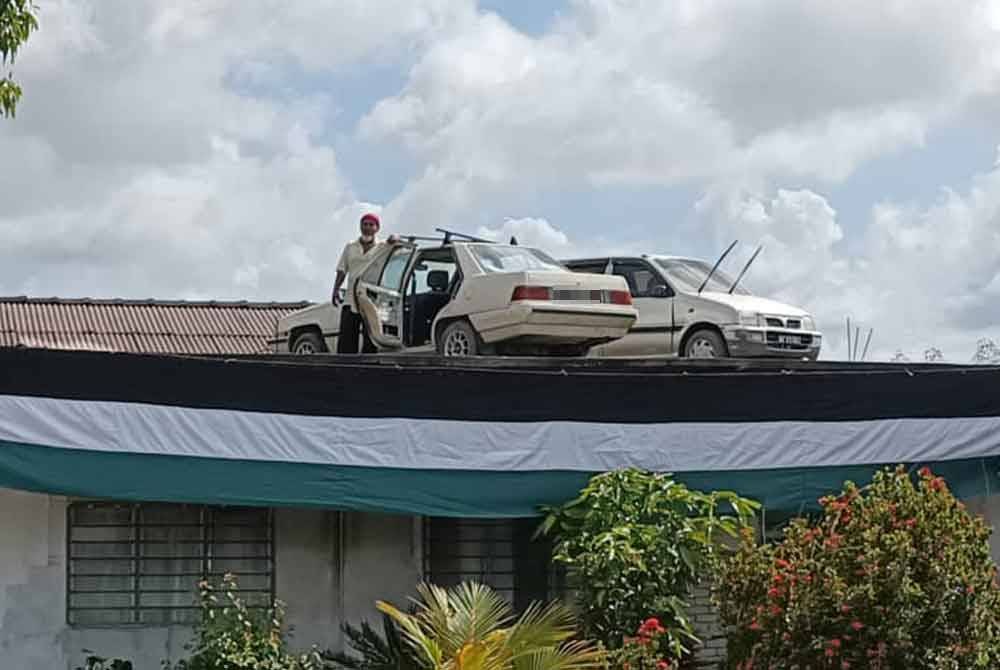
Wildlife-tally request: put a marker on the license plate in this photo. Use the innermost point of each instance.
(789, 339)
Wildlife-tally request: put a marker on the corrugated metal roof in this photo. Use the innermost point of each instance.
(141, 326)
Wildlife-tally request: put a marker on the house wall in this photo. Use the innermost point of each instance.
(377, 557)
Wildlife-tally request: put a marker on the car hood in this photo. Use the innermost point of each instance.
(753, 303)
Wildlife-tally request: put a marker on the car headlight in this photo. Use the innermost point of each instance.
(749, 318)
(808, 323)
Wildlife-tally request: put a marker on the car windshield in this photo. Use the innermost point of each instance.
(499, 258)
(687, 275)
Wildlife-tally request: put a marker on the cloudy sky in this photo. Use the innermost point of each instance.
(226, 148)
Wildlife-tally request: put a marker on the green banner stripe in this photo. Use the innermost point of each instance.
(459, 493)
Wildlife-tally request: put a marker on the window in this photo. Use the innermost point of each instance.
(139, 564)
(424, 268)
(641, 278)
(392, 275)
(499, 258)
(496, 552)
(595, 266)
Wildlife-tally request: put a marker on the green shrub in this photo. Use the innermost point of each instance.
(94, 662)
(634, 543)
(232, 636)
(893, 575)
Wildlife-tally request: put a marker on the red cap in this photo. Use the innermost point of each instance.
(371, 217)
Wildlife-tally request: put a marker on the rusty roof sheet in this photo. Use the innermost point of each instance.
(141, 326)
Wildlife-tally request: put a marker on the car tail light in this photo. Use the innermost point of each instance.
(532, 293)
(620, 297)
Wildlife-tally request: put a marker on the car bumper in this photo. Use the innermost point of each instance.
(752, 342)
(554, 323)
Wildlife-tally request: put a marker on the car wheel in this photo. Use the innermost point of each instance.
(308, 343)
(458, 339)
(705, 343)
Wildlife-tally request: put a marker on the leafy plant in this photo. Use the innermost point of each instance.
(385, 651)
(634, 543)
(232, 636)
(893, 575)
(470, 627)
(17, 22)
(94, 662)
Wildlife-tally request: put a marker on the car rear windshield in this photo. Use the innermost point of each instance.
(500, 258)
(687, 275)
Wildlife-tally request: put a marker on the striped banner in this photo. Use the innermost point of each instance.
(475, 439)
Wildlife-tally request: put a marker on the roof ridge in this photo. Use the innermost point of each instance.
(249, 304)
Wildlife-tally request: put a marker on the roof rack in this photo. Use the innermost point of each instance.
(448, 234)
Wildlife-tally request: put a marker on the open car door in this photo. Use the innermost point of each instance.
(378, 293)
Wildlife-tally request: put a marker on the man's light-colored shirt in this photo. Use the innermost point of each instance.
(352, 260)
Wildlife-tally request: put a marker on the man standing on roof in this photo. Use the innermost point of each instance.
(356, 253)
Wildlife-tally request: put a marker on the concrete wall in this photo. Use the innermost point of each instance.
(322, 579)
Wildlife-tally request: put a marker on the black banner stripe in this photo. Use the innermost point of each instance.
(491, 390)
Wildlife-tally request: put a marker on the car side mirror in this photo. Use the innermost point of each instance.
(660, 291)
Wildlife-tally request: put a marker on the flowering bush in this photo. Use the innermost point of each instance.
(633, 544)
(642, 651)
(232, 636)
(894, 575)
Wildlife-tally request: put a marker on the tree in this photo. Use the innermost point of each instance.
(634, 543)
(471, 627)
(894, 575)
(17, 21)
(933, 355)
(987, 351)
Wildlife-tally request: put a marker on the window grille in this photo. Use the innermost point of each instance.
(139, 564)
(497, 552)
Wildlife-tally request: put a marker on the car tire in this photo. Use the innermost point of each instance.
(307, 343)
(458, 339)
(705, 343)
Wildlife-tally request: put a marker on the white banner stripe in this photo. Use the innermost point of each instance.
(447, 444)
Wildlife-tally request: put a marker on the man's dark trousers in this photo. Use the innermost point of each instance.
(351, 325)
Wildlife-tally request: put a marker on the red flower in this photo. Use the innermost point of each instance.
(662, 665)
(774, 592)
(937, 484)
(783, 564)
(910, 523)
(857, 625)
(829, 653)
(835, 643)
(845, 608)
(924, 472)
(651, 626)
(754, 625)
(776, 610)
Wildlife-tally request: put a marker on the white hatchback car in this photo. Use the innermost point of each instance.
(469, 298)
(678, 316)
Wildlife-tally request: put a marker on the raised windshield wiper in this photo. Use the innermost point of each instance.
(716, 266)
(745, 268)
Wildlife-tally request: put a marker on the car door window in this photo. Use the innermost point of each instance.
(643, 281)
(395, 268)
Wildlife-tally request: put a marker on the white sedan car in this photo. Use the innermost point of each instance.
(691, 310)
(471, 298)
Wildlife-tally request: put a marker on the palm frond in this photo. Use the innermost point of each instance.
(542, 626)
(576, 655)
(477, 611)
(427, 648)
